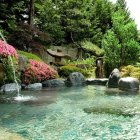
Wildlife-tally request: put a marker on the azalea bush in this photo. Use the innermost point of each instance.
(7, 50)
(36, 71)
(9, 60)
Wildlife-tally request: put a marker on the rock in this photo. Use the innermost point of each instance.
(6, 135)
(22, 61)
(113, 79)
(75, 79)
(54, 83)
(10, 88)
(34, 86)
(129, 84)
(101, 81)
(2, 74)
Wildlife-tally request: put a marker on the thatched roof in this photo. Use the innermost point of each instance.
(58, 54)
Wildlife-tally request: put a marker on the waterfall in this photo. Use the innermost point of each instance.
(12, 64)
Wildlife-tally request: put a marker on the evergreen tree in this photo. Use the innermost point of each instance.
(121, 42)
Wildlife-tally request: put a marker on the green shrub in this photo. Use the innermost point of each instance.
(131, 71)
(87, 61)
(29, 55)
(92, 47)
(65, 71)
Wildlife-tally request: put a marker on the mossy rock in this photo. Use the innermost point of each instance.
(65, 71)
(29, 55)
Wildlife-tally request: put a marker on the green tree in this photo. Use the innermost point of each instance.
(120, 43)
(69, 20)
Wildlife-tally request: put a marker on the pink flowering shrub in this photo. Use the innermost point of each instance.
(7, 50)
(37, 71)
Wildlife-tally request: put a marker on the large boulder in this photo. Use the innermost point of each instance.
(10, 88)
(129, 84)
(75, 79)
(113, 79)
(54, 83)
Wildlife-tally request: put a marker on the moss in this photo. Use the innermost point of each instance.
(131, 71)
(29, 55)
(65, 71)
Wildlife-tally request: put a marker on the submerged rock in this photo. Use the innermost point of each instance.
(129, 84)
(54, 83)
(6, 135)
(75, 79)
(107, 110)
(10, 88)
(113, 79)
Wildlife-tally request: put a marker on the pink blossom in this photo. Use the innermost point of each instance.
(7, 50)
(37, 71)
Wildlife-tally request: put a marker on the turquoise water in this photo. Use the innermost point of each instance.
(59, 114)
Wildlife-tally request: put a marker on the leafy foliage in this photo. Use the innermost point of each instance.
(131, 71)
(88, 61)
(120, 43)
(65, 22)
(92, 48)
(72, 21)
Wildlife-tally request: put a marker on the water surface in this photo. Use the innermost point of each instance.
(61, 114)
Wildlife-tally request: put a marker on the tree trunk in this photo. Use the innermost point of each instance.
(31, 12)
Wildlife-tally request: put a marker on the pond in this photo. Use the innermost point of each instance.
(74, 113)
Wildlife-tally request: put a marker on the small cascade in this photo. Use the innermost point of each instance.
(12, 64)
(25, 98)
